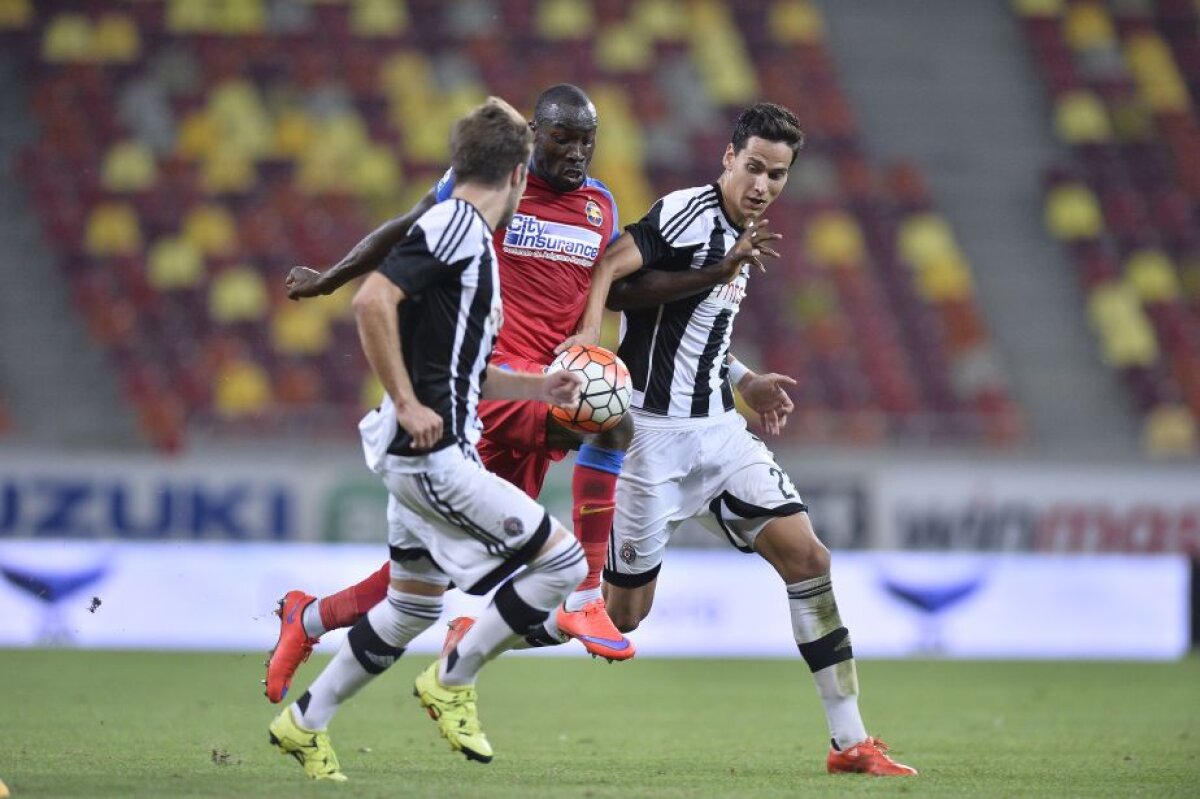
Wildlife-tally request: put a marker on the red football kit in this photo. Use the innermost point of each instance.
(546, 257)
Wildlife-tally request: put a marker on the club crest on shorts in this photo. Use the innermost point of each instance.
(627, 553)
(513, 527)
(593, 213)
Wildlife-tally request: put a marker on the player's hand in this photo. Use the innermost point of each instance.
(422, 423)
(584, 337)
(303, 282)
(562, 388)
(751, 247)
(767, 396)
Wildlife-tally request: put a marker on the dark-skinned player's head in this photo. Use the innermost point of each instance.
(564, 136)
(490, 146)
(766, 140)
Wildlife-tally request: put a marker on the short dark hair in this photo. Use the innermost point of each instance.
(562, 100)
(770, 122)
(488, 142)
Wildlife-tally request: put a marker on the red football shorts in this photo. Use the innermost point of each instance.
(514, 434)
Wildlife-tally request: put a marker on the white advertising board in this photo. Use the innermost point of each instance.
(196, 595)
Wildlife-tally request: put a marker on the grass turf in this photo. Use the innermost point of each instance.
(136, 724)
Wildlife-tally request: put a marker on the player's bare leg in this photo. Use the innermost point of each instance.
(792, 548)
(583, 615)
(303, 619)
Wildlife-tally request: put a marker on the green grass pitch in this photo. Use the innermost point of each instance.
(131, 724)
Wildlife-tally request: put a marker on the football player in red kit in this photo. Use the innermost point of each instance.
(547, 256)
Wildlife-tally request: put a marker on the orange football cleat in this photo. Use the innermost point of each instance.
(458, 628)
(293, 647)
(866, 757)
(596, 631)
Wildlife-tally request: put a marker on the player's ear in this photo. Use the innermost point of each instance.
(729, 157)
(518, 175)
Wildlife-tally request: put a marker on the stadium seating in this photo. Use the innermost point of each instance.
(1123, 80)
(194, 150)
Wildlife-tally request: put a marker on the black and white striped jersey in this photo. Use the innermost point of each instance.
(446, 267)
(676, 352)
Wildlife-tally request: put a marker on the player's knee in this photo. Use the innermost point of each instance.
(812, 560)
(619, 437)
(562, 564)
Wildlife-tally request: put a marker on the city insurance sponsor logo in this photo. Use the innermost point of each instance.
(63, 506)
(530, 236)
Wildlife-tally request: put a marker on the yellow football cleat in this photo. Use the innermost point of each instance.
(310, 748)
(453, 708)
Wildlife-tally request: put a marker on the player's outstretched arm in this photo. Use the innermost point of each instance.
(620, 260)
(376, 310)
(765, 394)
(368, 254)
(556, 388)
(649, 288)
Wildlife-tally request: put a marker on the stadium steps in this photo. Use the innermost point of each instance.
(64, 395)
(947, 83)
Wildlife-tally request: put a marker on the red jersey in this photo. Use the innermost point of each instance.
(546, 256)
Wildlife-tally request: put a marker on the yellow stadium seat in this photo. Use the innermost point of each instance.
(1038, 8)
(116, 40)
(67, 38)
(241, 119)
(174, 263)
(295, 132)
(241, 388)
(15, 14)
(211, 229)
(664, 20)
(191, 16)
(378, 17)
(374, 172)
(565, 19)
(197, 136)
(241, 17)
(405, 71)
(300, 328)
(924, 237)
(944, 278)
(624, 48)
(1080, 118)
(1087, 26)
(720, 56)
(1151, 275)
(128, 166)
(1126, 336)
(1169, 431)
(371, 393)
(113, 229)
(227, 171)
(238, 295)
(835, 239)
(1072, 213)
(1159, 82)
(795, 22)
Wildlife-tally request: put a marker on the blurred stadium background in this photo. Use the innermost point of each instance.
(990, 297)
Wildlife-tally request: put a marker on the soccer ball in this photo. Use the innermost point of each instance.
(604, 397)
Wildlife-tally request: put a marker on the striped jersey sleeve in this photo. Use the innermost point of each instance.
(435, 251)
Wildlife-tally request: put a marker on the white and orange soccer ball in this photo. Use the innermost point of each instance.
(604, 398)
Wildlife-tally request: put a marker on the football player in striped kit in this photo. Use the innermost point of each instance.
(428, 320)
(682, 272)
(548, 257)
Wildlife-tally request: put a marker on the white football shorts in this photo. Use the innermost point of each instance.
(711, 470)
(455, 521)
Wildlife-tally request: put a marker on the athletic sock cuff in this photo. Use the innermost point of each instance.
(600, 459)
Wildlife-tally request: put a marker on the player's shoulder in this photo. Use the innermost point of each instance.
(598, 186)
(453, 229)
(687, 213)
(692, 198)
